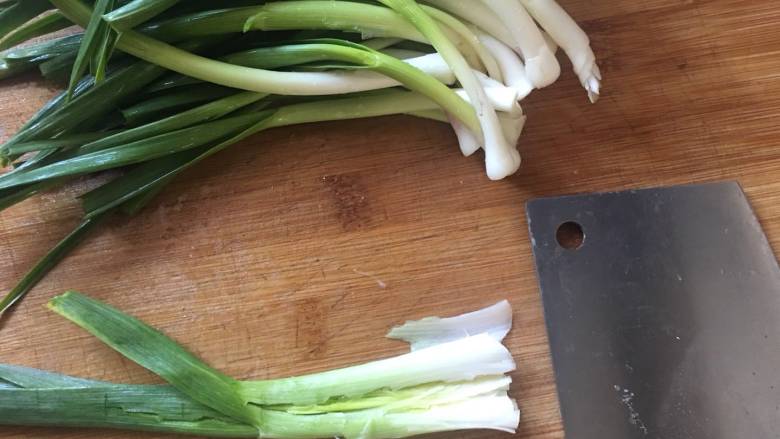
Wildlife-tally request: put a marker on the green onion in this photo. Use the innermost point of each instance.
(158, 353)
(565, 31)
(34, 397)
(156, 86)
(105, 42)
(449, 386)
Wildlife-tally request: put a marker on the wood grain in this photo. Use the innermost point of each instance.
(296, 250)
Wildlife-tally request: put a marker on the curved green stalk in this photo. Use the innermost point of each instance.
(367, 19)
(269, 81)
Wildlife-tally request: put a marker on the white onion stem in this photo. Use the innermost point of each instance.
(511, 65)
(572, 39)
(540, 64)
(467, 141)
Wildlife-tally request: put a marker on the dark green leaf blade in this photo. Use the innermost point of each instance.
(34, 28)
(135, 152)
(58, 143)
(138, 12)
(38, 398)
(90, 44)
(19, 13)
(203, 113)
(106, 39)
(155, 351)
(95, 102)
(176, 100)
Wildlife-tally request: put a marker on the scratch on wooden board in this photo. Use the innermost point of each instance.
(379, 282)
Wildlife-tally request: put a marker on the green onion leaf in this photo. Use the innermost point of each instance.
(20, 12)
(37, 398)
(39, 26)
(93, 38)
(177, 100)
(58, 143)
(155, 351)
(135, 152)
(137, 12)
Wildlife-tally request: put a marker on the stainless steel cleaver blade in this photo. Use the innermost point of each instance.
(663, 313)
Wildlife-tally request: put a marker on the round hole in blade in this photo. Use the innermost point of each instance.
(570, 235)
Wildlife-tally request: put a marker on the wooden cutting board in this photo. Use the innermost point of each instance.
(296, 250)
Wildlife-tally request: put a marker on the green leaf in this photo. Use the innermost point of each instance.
(39, 26)
(105, 46)
(94, 35)
(137, 12)
(58, 69)
(204, 113)
(20, 12)
(135, 205)
(176, 100)
(58, 143)
(22, 59)
(49, 261)
(153, 350)
(135, 152)
(94, 103)
(34, 397)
